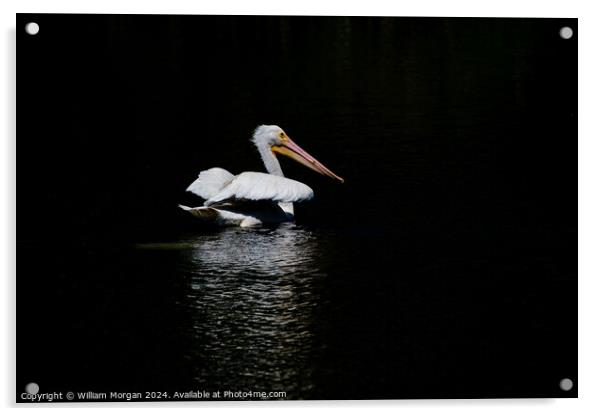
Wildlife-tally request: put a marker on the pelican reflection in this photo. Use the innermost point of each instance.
(253, 296)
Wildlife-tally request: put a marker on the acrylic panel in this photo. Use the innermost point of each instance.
(395, 216)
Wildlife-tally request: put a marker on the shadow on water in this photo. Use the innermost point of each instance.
(252, 296)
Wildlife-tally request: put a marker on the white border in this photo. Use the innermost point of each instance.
(590, 188)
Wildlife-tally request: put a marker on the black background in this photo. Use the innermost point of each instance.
(457, 141)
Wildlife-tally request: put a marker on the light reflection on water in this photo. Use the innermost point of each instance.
(253, 295)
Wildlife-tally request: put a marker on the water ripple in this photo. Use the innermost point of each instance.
(253, 296)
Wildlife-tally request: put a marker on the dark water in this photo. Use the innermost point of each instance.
(259, 294)
(445, 266)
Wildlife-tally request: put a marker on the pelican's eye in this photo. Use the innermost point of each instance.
(282, 136)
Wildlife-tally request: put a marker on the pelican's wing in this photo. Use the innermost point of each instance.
(255, 186)
(210, 182)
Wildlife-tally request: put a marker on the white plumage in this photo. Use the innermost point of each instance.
(210, 182)
(256, 186)
(253, 198)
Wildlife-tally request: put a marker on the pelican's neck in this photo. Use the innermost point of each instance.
(270, 161)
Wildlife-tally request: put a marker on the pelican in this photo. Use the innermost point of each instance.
(253, 198)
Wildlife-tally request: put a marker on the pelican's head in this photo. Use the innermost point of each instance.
(276, 140)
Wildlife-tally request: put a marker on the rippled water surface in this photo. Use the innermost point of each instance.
(259, 307)
(253, 296)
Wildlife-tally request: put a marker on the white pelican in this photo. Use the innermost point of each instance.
(253, 198)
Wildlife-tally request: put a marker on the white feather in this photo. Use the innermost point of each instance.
(256, 186)
(223, 217)
(210, 182)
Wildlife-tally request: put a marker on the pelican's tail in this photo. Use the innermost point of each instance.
(204, 213)
(222, 217)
